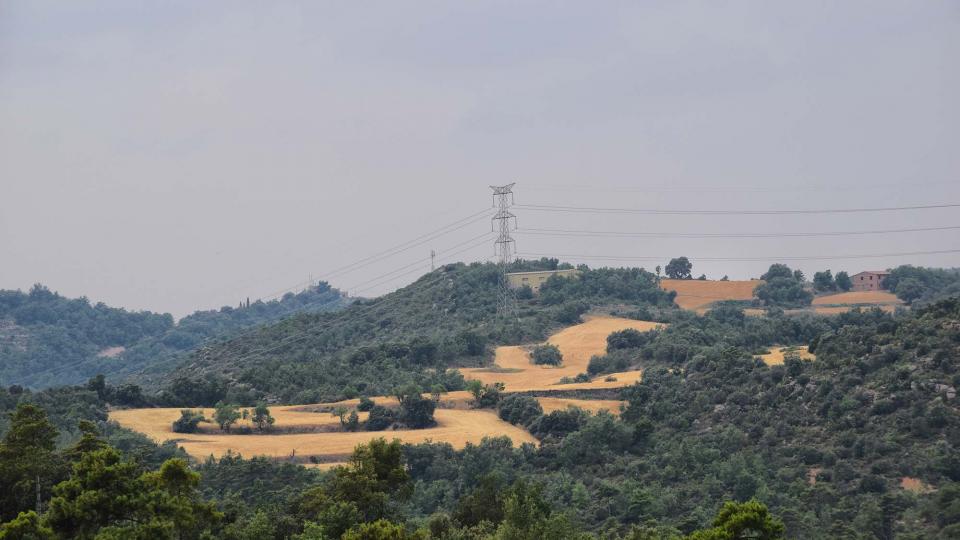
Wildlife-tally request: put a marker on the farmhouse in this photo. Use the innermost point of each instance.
(869, 280)
(535, 279)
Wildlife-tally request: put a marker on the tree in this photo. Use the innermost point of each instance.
(380, 418)
(910, 289)
(679, 268)
(226, 415)
(741, 521)
(26, 458)
(485, 396)
(365, 404)
(188, 421)
(416, 411)
(26, 526)
(375, 479)
(340, 412)
(777, 270)
(261, 417)
(107, 497)
(548, 354)
(436, 390)
(377, 530)
(843, 281)
(823, 281)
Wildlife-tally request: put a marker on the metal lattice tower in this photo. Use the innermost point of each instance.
(505, 245)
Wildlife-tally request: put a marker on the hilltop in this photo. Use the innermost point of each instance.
(48, 340)
(446, 319)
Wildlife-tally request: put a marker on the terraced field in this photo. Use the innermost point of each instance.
(577, 344)
(697, 295)
(302, 432)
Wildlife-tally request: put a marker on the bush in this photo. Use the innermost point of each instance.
(618, 360)
(547, 354)
(416, 412)
(569, 313)
(188, 421)
(520, 410)
(365, 404)
(380, 418)
(629, 339)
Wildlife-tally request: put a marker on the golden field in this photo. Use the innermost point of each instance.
(302, 431)
(697, 295)
(776, 354)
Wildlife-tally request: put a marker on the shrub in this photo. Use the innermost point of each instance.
(520, 410)
(188, 421)
(548, 354)
(416, 412)
(380, 418)
(569, 313)
(365, 404)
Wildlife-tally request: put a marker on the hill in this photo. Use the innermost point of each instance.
(446, 319)
(48, 340)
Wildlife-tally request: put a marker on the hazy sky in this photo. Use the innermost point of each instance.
(181, 155)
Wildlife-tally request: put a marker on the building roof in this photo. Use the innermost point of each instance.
(877, 272)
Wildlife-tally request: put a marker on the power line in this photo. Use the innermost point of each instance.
(592, 187)
(599, 210)
(400, 248)
(632, 234)
(771, 259)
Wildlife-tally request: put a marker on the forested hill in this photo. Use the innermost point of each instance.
(49, 340)
(445, 319)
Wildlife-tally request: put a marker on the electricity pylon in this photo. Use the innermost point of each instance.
(505, 245)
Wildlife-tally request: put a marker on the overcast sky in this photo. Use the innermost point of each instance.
(174, 156)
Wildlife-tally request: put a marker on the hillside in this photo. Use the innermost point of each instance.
(446, 319)
(48, 340)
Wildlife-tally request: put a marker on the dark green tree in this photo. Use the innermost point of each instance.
(679, 268)
(27, 458)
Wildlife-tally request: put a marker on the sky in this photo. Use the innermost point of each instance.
(183, 155)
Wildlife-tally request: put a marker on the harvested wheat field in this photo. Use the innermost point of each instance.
(776, 354)
(697, 295)
(577, 344)
(457, 427)
(858, 298)
(835, 310)
(558, 404)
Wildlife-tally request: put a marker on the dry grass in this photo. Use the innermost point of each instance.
(457, 427)
(577, 344)
(457, 423)
(858, 298)
(698, 295)
(835, 310)
(558, 404)
(776, 354)
(915, 485)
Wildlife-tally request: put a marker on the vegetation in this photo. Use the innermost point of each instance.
(403, 338)
(48, 340)
(679, 268)
(712, 443)
(918, 285)
(188, 422)
(783, 287)
(546, 354)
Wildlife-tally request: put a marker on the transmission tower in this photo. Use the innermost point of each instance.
(504, 246)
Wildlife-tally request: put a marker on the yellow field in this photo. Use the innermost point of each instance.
(858, 298)
(558, 404)
(776, 354)
(457, 427)
(577, 344)
(313, 431)
(697, 295)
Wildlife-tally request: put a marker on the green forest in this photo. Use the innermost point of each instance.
(48, 340)
(712, 442)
